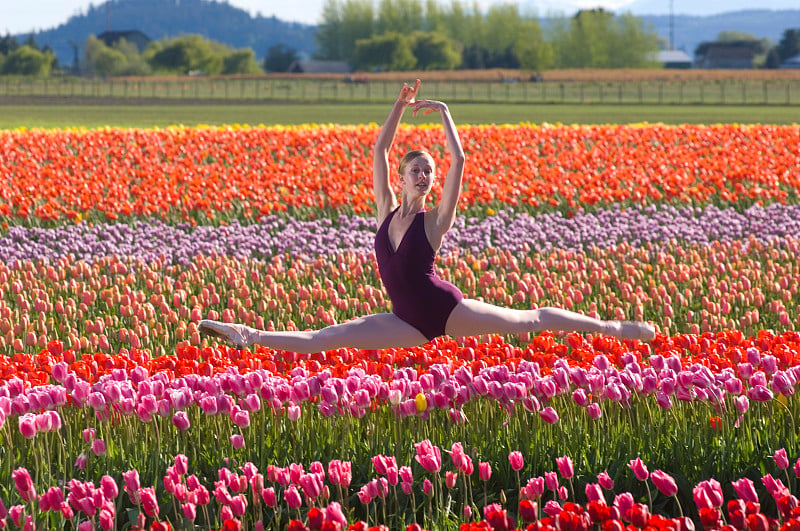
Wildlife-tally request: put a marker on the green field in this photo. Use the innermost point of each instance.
(167, 114)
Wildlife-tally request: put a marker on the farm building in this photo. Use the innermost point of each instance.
(792, 62)
(731, 55)
(674, 59)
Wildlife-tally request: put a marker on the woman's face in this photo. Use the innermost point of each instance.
(419, 175)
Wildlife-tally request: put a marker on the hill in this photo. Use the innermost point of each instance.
(690, 31)
(159, 19)
(217, 20)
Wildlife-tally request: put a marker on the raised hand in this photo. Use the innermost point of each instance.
(428, 106)
(408, 94)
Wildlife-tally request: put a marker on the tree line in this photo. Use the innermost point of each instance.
(396, 35)
(407, 34)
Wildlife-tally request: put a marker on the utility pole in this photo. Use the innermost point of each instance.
(671, 26)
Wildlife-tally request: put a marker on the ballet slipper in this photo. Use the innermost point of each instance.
(236, 335)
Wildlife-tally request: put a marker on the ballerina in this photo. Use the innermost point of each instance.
(424, 306)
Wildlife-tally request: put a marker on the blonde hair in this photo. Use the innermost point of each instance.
(411, 155)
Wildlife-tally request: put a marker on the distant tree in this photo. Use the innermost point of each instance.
(134, 64)
(597, 39)
(390, 51)
(31, 42)
(55, 66)
(343, 23)
(188, 53)
(399, 16)
(789, 45)
(533, 52)
(279, 58)
(8, 44)
(27, 61)
(434, 51)
(240, 62)
(773, 59)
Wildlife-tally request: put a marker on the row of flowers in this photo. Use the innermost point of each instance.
(736, 389)
(319, 499)
(154, 240)
(205, 173)
(115, 302)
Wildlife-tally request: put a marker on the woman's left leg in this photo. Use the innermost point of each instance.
(472, 317)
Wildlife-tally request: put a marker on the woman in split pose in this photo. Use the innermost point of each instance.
(423, 305)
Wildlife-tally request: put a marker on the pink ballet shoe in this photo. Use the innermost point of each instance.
(236, 335)
(636, 330)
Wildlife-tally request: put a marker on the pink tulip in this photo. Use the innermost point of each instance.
(181, 420)
(594, 411)
(239, 505)
(781, 460)
(268, 495)
(181, 464)
(132, 485)
(796, 467)
(81, 461)
(16, 513)
(484, 470)
(241, 418)
(311, 485)
(450, 479)
(745, 490)
(551, 480)
(364, 495)
(565, 467)
(335, 514)
(237, 441)
(516, 460)
(147, 495)
(639, 469)
(427, 487)
(774, 486)
(708, 494)
(549, 415)
(664, 483)
(189, 511)
(109, 487)
(27, 425)
(594, 492)
(293, 412)
(292, 497)
(605, 480)
(106, 520)
(623, 502)
(429, 456)
(759, 393)
(99, 447)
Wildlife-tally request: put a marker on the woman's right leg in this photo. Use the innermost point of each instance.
(381, 330)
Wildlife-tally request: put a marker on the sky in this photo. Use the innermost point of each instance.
(24, 16)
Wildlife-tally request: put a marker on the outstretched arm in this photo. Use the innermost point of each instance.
(451, 189)
(385, 198)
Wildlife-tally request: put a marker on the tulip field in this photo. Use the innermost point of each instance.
(115, 413)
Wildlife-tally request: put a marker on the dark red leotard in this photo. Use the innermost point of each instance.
(419, 297)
